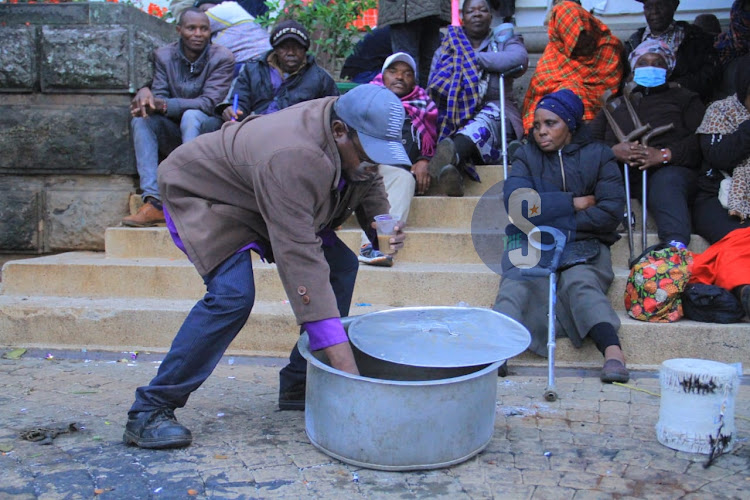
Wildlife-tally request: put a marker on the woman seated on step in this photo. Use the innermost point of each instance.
(724, 137)
(582, 55)
(580, 193)
(671, 159)
(465, 85)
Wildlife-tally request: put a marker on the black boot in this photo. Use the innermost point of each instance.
(443, 168)
(292, 398)
(156, 429)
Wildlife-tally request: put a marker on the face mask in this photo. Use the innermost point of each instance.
(650, 76)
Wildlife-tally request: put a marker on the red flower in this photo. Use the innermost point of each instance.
(665, 281)
(649, 304)
(649, 272)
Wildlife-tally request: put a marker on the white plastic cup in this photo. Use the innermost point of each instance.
(386, 228)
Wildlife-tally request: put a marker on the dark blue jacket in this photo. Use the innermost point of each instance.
(256, 93)
(589, 168)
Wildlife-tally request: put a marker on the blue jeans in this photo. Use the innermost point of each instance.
(217, 318)
(158, 135)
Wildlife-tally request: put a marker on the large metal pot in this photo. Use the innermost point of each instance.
(397, 416)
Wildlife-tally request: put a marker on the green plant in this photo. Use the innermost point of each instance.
(329, 22)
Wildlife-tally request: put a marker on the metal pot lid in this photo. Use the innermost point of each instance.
(439, 337)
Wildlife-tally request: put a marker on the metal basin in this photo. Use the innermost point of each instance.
(396, 416)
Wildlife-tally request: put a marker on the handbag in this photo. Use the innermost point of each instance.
(657, 279)
(711, 304)
(579, 252)
(724, 187)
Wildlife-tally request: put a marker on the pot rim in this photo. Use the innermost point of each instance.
(304, 348)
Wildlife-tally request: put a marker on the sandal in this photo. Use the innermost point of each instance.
(614, 371)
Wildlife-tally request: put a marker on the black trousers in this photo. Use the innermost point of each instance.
(711, 220)
(670, 191)
(420, 39)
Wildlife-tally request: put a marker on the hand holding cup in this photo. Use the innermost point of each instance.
(390, 233)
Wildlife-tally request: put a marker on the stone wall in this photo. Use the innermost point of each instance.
(67, 72)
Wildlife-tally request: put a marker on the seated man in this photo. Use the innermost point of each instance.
(234, 28)
(418, 136)
(465, 84)
(697, 66)
(190, 77)
(672, 160)
(286, 75)
(582, 55)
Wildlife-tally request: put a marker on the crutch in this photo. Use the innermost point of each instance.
(550, 393)
(644, 140)
(639, 130)
(511, 73)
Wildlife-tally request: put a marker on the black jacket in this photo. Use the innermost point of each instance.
(255, 91)
(725, 154)
(590, 168)
(659, 106)
(697, 67)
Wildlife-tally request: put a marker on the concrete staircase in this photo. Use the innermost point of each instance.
(135, 295)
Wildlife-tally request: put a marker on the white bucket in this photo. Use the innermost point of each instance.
(697, 405)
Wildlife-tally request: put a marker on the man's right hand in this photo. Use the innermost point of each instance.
(229, 115)
(422, 174)
(342, 357)
(143, 103)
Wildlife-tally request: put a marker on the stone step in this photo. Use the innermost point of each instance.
(489, 174)
(150, 325)
(91, 275)
(427, 245)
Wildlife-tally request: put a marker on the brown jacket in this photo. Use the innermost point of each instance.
(272, 179)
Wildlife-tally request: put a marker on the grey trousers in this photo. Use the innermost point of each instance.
(581, 302)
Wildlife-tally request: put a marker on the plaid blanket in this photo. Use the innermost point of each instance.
(423, 114)
(588, 77)
(736, 41)
(456, 82)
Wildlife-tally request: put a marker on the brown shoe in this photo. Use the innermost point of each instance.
(614, 371)
(147, 216)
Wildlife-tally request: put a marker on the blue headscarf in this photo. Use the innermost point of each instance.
(565, 104)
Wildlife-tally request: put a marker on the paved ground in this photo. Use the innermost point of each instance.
(595, 442)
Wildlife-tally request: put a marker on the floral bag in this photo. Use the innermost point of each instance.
(656, 282)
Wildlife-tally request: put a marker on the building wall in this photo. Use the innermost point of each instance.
(67, 72)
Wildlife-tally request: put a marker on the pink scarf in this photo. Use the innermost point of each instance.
(423, 114)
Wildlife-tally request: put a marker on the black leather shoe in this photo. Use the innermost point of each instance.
(292, 399)
(156, 429)
(451, 181)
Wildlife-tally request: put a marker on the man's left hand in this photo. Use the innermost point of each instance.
(397, 239)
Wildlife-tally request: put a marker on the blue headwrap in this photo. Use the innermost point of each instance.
(565, 104)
